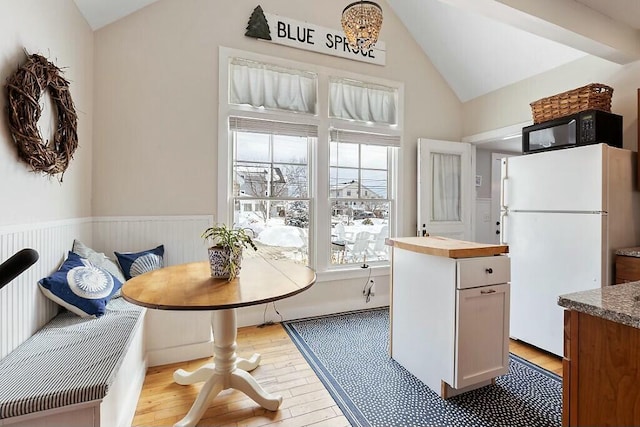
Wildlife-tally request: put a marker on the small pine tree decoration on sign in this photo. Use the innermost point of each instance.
(258, 27)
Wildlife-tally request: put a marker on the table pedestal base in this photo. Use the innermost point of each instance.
(227, 371)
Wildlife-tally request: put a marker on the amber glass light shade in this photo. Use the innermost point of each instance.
(361, 22)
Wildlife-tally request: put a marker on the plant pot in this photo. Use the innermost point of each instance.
(224, 263)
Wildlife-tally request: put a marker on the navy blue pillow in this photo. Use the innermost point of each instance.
(80, 286)
(134, 264)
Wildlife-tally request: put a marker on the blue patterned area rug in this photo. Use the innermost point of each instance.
(349, 353)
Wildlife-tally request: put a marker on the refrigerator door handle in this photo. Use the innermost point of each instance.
(503, 218)
(503, 184)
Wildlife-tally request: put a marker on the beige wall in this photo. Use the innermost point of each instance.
(510, 105)
(156, 95)
(56, 30)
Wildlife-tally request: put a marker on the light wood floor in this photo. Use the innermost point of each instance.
(283, 370)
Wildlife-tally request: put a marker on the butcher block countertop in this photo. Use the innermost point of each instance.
(445, 247)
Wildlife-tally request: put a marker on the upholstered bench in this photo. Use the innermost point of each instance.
(77, 371)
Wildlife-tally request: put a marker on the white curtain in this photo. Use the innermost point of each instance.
(270, 86)
(361, 101)
(446, 187)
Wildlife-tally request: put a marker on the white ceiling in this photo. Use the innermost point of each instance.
(475, 54)
(482, 45)
(479, 46)
(99, 13)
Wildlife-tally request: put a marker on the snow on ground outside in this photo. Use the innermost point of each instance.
(275, 233)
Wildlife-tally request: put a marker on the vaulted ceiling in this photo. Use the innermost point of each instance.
(483, 45)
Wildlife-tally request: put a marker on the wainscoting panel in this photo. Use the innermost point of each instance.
(180, 236)
(171, 336)
(23, 308)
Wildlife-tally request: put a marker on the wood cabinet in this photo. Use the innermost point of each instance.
(627, 268)
(601, 372)
(450, 318)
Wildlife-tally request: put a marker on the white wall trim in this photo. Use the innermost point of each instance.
(151, 218)
(180, 353)
(506, 132)
(18, 228)
(353, 272)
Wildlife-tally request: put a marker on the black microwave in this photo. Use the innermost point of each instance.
(583, 128)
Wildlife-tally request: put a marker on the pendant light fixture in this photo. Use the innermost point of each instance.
(361, 22)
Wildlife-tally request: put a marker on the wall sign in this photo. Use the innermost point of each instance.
(302, 35)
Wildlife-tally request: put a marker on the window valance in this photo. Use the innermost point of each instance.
(270, 86)
(354, 100)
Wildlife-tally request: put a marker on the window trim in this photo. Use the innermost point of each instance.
(319, 163)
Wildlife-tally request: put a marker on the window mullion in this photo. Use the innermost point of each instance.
(360, 170)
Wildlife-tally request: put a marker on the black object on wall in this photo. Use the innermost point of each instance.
(15, 265)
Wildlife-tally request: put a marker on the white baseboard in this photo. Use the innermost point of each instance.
(250, 316)
(180, 353)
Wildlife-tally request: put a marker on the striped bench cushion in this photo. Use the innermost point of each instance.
(70, 360)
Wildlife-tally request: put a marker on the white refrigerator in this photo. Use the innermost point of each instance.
(563, 215)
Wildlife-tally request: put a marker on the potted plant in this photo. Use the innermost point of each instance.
(225, 253)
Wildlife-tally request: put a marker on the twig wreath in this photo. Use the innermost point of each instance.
(24, 89)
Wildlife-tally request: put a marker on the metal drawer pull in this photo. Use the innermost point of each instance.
(489, 270)
(490, 291)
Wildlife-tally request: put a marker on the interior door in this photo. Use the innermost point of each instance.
(445, 199)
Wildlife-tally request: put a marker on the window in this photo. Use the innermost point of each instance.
(271, 184)
(361, 162)
(446, 204)
(310, 160)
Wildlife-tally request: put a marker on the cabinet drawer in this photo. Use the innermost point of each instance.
(483, 271)
(627, 269)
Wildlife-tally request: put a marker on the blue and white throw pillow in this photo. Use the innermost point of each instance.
(80, 286)
(134, 264)
(99, 260)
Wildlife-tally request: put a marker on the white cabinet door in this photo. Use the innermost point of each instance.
(482, 334)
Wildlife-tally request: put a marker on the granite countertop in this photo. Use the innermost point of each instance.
(618, 303)
(633, 252)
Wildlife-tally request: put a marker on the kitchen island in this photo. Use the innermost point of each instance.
(601, 364)
(450, 311)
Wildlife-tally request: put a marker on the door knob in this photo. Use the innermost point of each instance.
(497, 222)
(497, 231)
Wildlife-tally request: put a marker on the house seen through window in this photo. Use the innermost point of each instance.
(271, 184)
(360, 220)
